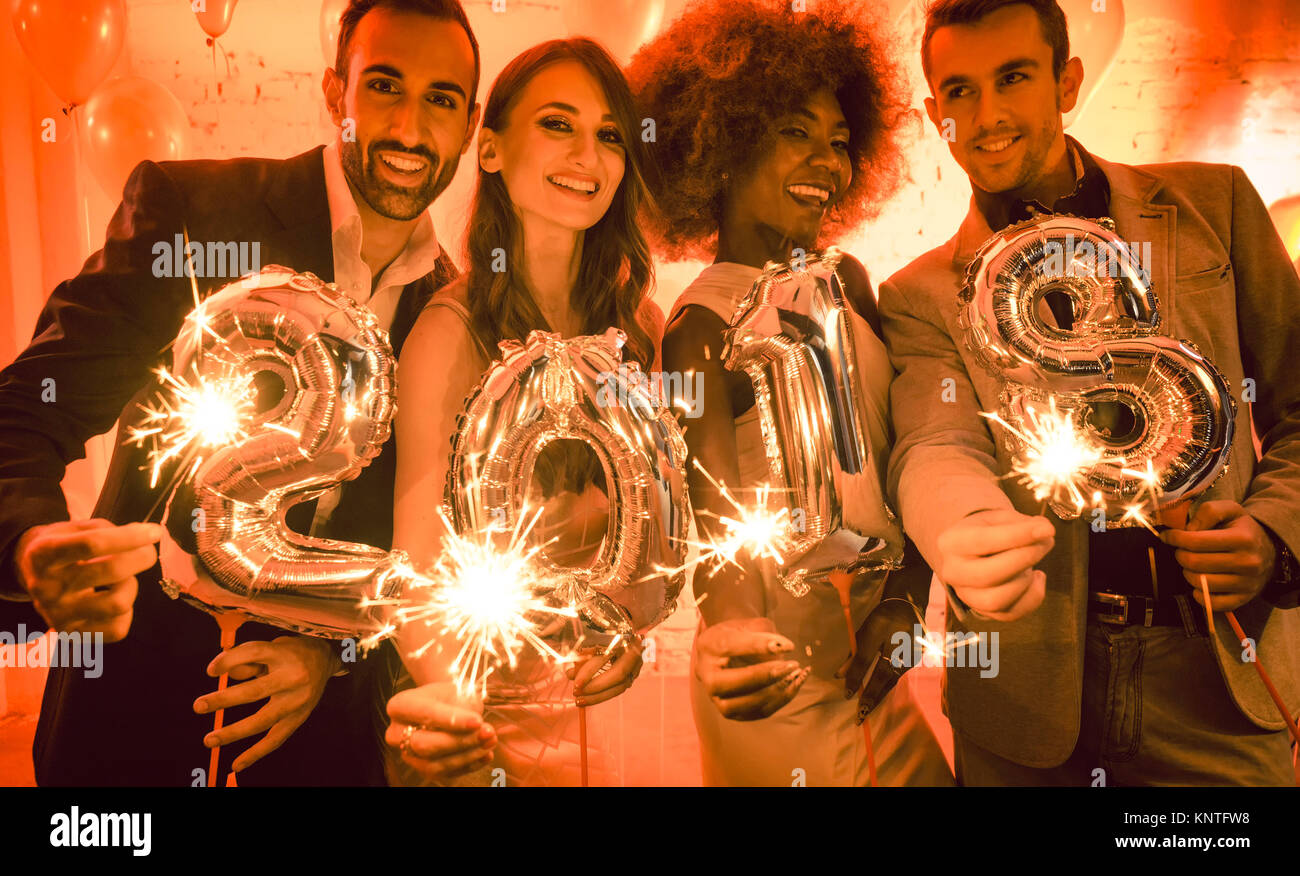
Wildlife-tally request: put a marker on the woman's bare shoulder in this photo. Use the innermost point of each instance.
(456, 291)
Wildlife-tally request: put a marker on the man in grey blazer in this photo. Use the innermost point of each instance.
(1129, 688)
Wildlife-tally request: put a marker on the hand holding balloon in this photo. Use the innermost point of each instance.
(870, 669)
(290, 673)
(606, 674)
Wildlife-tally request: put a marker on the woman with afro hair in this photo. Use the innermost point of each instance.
(774, 134)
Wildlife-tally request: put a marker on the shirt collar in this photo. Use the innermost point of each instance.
(1090, 198)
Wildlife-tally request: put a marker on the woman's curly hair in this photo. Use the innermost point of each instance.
(716, 80)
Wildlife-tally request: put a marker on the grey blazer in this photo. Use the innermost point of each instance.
(1224, 281)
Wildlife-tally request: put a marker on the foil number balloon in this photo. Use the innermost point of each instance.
(547, 389)
(793, 335)
(1150, 404)
(280, 389)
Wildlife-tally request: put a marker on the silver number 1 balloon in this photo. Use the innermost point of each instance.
(793, 335)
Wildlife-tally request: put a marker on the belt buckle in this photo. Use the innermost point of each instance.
(1114, 602)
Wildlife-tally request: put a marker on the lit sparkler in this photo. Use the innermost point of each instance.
(1138, 510)
(491, 599)
(753, 528)
(1056, 456)
(190, 415)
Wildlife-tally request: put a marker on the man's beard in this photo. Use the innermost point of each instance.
(389, 200)
(1032, 165)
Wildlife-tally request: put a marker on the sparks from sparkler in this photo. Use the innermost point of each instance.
(491, 599)
(1056, 456)
(943, 652)
(193, 414)
(196, 412)
(1137, 511)
(753, 528)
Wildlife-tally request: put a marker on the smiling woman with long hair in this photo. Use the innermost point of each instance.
(774, 136)
(553, 245)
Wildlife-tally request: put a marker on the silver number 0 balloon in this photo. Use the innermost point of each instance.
(546, 389)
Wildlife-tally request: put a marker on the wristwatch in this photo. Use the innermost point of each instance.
(1284, 590)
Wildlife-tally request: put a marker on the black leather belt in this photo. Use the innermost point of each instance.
(1128, 611)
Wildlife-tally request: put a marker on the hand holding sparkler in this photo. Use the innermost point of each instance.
(988, 560)
(439, 732)
(81, 573)
(607, 674)
(739, 662)
(1226, 547)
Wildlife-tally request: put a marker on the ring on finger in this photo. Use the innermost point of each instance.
(405, 746)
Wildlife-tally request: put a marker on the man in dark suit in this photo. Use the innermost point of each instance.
(403, 97)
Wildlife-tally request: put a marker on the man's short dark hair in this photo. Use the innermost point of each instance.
(1051, 19)
(443, 10)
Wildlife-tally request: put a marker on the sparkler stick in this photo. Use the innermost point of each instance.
(229, 624)
(1209, 612)
(582, 742)
(871, 752)
(842, 581)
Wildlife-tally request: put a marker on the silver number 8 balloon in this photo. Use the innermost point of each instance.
(1148, 402)
(280, 388)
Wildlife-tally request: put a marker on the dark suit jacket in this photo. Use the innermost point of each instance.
(98, 337)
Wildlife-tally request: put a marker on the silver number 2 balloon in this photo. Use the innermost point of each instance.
(280, 389)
